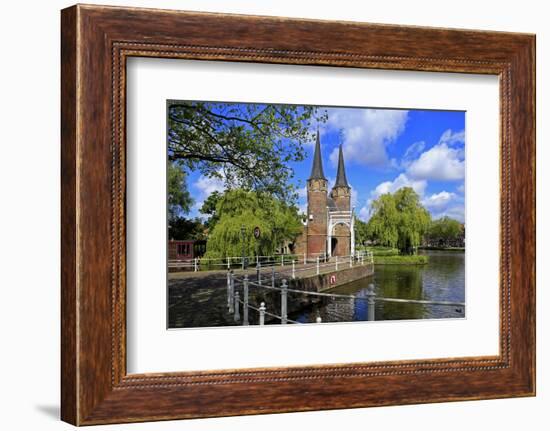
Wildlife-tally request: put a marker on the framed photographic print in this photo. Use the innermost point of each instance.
(287, 207)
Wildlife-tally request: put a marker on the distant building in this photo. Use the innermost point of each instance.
(329, 225)
(185, 250)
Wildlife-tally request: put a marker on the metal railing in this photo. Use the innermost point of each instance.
(234, 301)
(235, 261)
(321, 261)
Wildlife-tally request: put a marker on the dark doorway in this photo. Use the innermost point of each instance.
(333, 243)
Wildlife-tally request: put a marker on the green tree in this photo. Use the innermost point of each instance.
(361, 232)
(208, 208)
(382, 225)
(399, 220)
(179, 199)
(184, 229)
(237, 208)
(247, 146)
(444, 229)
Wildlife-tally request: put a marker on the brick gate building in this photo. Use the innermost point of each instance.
(329, 225)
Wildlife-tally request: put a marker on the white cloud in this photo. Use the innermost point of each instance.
(367, 133)
(438, 201)
(412, 152)
(450, 138)
(401, 181)
(445, 204)
(354, 197)
(364, 213)
(209, 185)
(205, 186)
(419, 186)
(455, 212)
(440, 162)
(460, 188)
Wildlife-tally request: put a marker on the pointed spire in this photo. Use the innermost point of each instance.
(341, 180)
(317, 168)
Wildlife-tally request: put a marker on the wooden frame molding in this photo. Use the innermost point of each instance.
(95, 43)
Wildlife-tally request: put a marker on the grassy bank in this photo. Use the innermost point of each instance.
(416, 259)
(383, 251)
(391, 256)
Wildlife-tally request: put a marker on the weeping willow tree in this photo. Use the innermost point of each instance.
(239, 212)
(399, 220)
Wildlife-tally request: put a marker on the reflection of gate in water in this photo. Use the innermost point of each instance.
(340, 306)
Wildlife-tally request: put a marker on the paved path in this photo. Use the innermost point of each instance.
(300, 271)
(199, 299)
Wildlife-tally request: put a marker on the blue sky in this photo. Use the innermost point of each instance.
(384, 150)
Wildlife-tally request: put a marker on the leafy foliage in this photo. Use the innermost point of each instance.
(382, 225)
(399, 220)
(208, 208)
(239, 208)
(183, 229)
(444, 229)
(179, 199)
(247, 146)
(361, 232)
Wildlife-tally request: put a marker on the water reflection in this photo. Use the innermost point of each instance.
(441, 280)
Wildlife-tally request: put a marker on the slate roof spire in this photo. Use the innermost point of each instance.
(341, 180)
(317, 168)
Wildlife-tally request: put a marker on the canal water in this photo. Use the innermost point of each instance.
(442, 279)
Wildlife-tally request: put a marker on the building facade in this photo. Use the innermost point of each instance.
(329, 225)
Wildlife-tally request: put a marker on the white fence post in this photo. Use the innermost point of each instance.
(262, 313)
(317, 265)
(196, 266)
(318, 319)
(259, 272)
(229, 298)
(305, 259)
(284, 316)
(336, 263)
(282, 260)
(228, 263)
(236, 315)
(232, 293)
(371, 302)
(245, 300)
(293, 270)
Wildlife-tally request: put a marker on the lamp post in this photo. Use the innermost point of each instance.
(243, 232)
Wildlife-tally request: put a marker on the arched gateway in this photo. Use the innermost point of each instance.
(329, 227)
